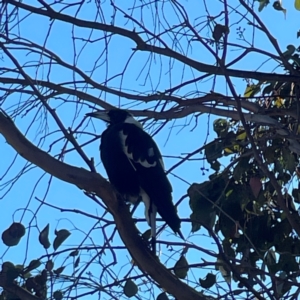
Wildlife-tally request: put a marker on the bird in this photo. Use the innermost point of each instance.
(135, 168)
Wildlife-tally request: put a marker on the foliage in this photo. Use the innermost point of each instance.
(209, 80)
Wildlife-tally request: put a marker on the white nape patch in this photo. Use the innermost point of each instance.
(144, 163)
(131, 120)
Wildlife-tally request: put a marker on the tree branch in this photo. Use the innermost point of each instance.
(93, 182)
(143, 46)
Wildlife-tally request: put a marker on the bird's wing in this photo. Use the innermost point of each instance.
(145, 156)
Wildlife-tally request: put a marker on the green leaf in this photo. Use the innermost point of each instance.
(44, 237)
(289, 160)
(241, 168)
(270, 258)
(290, 49)
(61, 236)
(251, 90)
(297, 4)
(49, 265)
(213, 151)
(263, 4)
(221, 266)
(162, 296)
(58, 295)
(219, 31)
(74, 253)
(296, 195)
(221, 127)
(209, 281)
(12, 235)
(181, 267)
(58, 270)
(255, 185)
(34, 264)
(7, 265)
(277, 5)
(203, 212)
(130, 288)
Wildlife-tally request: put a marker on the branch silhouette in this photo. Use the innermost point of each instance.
(94, 182)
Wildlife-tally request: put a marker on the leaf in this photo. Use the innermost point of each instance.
(251, 90)
(209, 281)
(297, 4)
(220, 126)
(241, 136)
(44, 237)
(74, 253)
(224, 270)
(279, 102)
(49, 265)
(58, 295)
(181, 267)
(219, 31)
(34, 264)
(7, 265)
(12, 274)
(255, 185)
(162, 296)
(205, 217)
(58, 270)
(277, 5)
(290, 50)
(12, 235)
(203, 212)
(270, 258)
(130, 288)
(241, 168)
(263, 4)
(61, 236)
(289, 160)
(213, 151)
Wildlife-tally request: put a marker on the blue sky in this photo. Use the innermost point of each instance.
(181, 140)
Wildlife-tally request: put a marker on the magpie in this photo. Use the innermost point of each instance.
(135, 168)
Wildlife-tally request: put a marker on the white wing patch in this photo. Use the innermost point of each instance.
(123, 139)
(144, 162)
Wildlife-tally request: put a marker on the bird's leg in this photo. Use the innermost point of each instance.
(153, 245)
(153, 211)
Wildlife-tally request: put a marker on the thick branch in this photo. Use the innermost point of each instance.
(94, 182)
(16, 290)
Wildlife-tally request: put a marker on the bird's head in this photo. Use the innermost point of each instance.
(115, 116)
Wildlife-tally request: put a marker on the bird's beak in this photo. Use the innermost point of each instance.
(101, 114)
